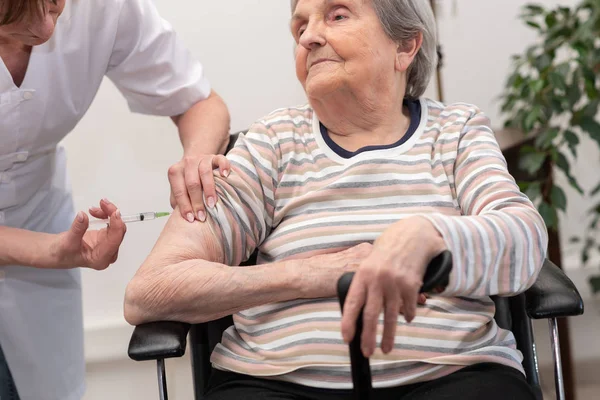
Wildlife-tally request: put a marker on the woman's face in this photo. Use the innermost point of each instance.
(340, 44)
(34, 30)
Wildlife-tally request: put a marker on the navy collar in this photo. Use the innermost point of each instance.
(414, 110)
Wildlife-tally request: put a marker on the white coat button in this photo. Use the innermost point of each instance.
(28, 95)
(4, 178)
(21, 157)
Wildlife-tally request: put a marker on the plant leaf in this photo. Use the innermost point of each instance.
(534, 9)
(563, 69)
(533, 117)
(591, 110)
(558, 197)
(551, 19)
(543, 62)
(591, 126)
(573, 93)
(537, 85)
(532, 162)
(595, 190)
(557, 81)
(544, 140)
(594, 283)
(563, 164)
(574, 184)
(572, 141)
(549, 215)
(533, 190)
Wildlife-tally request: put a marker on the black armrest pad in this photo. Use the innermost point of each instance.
(553, 295)
(158, 340)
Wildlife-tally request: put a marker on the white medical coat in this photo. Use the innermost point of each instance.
(41, 329)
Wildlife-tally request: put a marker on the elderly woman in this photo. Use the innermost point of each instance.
(369, 176)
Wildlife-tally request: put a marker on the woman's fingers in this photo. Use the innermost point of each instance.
(180, 193)
(97, 212)
(221, 162)
(195, 188)
(410, 295)
(77, 230)
(372, 310)
(390, 316)
(106, 208)
(352, 307)
(108, 245)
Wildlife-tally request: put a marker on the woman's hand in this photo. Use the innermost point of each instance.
(192, 177)
(389, 279)
(95, 249)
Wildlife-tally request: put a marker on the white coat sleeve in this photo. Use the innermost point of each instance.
(150, 65)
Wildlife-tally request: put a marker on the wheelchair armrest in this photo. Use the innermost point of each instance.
(553, 295)
(158, 340)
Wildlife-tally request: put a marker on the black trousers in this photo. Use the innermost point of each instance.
(8, 391)
(487, 381)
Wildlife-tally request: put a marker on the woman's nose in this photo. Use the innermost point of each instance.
(313, 36)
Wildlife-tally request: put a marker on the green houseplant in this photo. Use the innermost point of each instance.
(553, 97)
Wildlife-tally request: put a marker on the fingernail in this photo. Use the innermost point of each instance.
(80, 216)
(226, 173)
(201, 216)
(190, 217)
(105, 200)
(211, 202)
(118, 214)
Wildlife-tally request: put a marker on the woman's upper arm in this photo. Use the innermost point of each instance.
(181, 240)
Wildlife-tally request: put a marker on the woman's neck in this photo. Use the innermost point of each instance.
(355, 121)
(15, 56)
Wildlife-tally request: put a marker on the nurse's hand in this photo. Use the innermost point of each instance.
(190, 179)
(95, 249)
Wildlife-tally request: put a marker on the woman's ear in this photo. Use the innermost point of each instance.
(407, 51)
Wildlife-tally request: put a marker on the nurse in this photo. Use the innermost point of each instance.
(54, 55)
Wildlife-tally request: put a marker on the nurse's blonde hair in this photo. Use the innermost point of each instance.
(12, 11)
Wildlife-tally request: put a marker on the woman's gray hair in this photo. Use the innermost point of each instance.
(403, 20)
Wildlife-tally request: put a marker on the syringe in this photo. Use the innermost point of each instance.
(145, 216)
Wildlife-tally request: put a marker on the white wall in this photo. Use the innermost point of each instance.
(248, 55)
(478, 38)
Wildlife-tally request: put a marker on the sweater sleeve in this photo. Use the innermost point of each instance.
(500, 241)
(243, 215)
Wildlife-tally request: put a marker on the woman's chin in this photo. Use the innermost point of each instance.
(320, 86)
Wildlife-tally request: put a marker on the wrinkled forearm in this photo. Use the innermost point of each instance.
(204, 128)
(196, 291)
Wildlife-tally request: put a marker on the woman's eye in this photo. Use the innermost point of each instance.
(339, 17)
(301, 31)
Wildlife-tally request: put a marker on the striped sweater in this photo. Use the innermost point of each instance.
(291, 196)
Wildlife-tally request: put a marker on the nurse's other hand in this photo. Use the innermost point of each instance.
(190, 179)
(95, 249)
